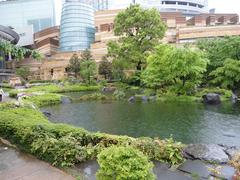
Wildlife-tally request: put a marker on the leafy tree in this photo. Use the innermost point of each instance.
(87, 66)
(23, 72)
(228, 76)
(105, 68)
(139, 30)
(74, 65)
(219, 49)
(180, 67)
(17, 52)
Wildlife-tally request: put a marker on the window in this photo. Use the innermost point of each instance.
(182, 3)
(170, 2)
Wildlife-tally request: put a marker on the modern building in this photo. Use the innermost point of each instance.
(77, 29)
(21, 13)
(187, 7)
(27, 17)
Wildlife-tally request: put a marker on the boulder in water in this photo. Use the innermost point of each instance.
(212, 98)
(132, 99)
(207, 152)
(65, 100)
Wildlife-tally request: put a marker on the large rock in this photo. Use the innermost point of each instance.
(212, 98)
(109, 89)
(65, 100)
(211, 153)
(132, 99)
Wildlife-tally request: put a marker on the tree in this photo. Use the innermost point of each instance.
(180, 67)
(16, 52)
(74, 65)
(219, 49)
(23, 72)
(105, 68)
(228, 76)
(139, 30)
(87, 66)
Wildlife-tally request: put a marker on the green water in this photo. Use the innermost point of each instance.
(186, 122)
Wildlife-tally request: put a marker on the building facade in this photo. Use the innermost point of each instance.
(77, 29)
(39, 14)
(6, 34)
(186, 7)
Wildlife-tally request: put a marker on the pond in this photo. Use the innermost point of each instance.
(185, 122)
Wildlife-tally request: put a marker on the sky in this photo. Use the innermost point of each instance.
(221, 6)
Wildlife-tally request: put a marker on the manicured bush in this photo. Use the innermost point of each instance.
(13, 93)
(62, 88)
(118, 94)
(64, 145)
(225, 94)
(44, 99)
(124, 163)
(94, 96)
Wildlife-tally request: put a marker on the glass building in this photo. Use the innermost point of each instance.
(77, 29)
(22, 13)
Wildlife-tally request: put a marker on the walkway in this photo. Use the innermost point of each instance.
(15, 165)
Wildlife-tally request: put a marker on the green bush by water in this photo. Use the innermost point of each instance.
(124, 163)
(64, 145)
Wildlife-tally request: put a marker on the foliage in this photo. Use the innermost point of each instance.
(139, 30)
(105, 68)
(13, 93)
(180, 67)
(23, 72)
(63, 88)
(87, 67)
(64, 145)
(118, 94)
(41, 81)
(225, 94)
(219, 49)
(228, 76)
(74, 65)
(94, 96)
(124, 163)
(162, 150)
(235, 162)
(44, 99)
(17, 52)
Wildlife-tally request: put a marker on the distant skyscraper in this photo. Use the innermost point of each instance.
(77, 29)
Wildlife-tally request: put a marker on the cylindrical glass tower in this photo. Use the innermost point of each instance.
(77, 30)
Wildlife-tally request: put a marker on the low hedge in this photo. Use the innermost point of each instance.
(64, 145)
(44, 99)
(62, 88)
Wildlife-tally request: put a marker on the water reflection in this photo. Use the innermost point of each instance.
(186, 122)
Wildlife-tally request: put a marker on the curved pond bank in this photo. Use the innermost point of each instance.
(186, 122)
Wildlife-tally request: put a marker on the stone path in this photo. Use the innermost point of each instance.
(15, 165)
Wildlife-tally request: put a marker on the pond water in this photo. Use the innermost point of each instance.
(185, 122)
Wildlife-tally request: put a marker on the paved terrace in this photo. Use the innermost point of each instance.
(15, 165)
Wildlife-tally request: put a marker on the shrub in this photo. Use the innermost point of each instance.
(44, 99)
(40, 81)
(118, 94)
(94, 96)
(13, 93)
(235, 162)
(124, 163)
(64, 145)
(226, 94)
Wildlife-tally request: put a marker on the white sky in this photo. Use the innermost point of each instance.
(221, 6)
